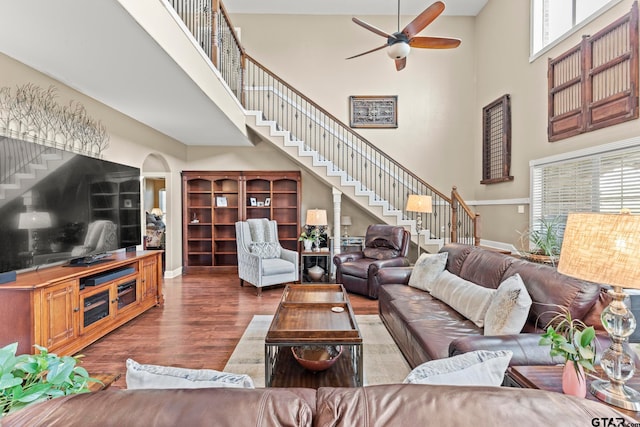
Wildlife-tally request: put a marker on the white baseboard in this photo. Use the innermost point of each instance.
(173, 273)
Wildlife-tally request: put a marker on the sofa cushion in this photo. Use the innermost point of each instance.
(357, 268)
(549, 289)
(509, 308)
(155, 376)
(477, 368)
(384, 236)
(273, 266)
(485, 268)
(426, 269)
(465, 297)
(457, 254)
(381, 253)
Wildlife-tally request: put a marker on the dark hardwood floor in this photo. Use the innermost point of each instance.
(198, 326)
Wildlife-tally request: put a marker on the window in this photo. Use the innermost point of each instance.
(605, 180)
(595, 84)
(553, 20)
(496, 141)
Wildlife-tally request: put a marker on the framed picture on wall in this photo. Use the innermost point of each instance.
(373, 111)
(221, 201)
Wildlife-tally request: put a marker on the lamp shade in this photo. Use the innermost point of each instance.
(345, 220)
(602, 248)
(34, 220)
(419, 203)
(157, 211)
(317, 217)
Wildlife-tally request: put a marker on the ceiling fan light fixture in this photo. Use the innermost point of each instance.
(398, 50)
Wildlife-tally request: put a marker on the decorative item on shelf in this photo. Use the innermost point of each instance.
(267, 201)
(34, 221)
(605, 248)
(573, 340)
(194, 219)
(419, 204)
(317, 220)
(346, 222)
(316, 357)
(221, 201)
(32, 378)
(316, 273)
(542, 241)
(253, 201)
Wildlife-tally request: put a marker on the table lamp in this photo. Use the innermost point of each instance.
(157, 212)
(605, 248)
(34, 221)
(420, 204)
(346, 222)
(317, 217)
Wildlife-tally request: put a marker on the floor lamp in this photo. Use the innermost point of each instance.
(420, 204)
(605, 248)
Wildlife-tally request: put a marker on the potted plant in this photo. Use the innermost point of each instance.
(310, 238)
(31, 378)
(573, 340)
(542, 241)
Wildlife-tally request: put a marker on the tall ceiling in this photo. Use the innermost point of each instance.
(98, 48)
(351, 7)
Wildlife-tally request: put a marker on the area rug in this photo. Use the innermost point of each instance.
(383, 362)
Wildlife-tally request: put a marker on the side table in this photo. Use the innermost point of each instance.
(550, 378)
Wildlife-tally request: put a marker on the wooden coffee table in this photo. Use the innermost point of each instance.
(550, 378)
(305, 317)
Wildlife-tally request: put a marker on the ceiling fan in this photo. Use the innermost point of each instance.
(400, 43)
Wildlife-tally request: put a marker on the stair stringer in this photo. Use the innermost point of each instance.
(324, 170)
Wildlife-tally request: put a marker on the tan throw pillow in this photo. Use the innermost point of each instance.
(426, 269)
(509, 308)
(467, 298)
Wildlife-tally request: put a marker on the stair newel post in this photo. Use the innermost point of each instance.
(476, 229)
(454, 215)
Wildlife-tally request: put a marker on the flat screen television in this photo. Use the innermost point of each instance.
(57, 206)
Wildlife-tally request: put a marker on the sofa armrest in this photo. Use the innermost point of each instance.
(381, 265)
(398, 275)
(525, 348)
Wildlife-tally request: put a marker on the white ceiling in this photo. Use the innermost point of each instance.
(351, 7)
(99, 49)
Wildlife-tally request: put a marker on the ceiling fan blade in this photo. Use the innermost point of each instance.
(421, 21)
(371, 28)
(401, 63)
(434, 42)
(369, 51)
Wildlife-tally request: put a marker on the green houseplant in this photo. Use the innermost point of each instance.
(31, 378)
(310, 238)
(574, 341)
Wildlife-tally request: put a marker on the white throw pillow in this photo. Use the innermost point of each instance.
(266, 250)
(154, 376)
(467, 298)
(509, 308)
(426, 269)
(477, 368)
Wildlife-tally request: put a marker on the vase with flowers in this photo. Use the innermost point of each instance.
(573, 340)
(310, 238)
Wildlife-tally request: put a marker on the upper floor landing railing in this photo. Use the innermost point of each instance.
(337, 144)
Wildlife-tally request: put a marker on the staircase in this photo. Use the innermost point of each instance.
(301, 129)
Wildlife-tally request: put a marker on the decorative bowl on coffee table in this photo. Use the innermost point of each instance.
(316, 357)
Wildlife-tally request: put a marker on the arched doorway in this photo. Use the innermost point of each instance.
(156, 200)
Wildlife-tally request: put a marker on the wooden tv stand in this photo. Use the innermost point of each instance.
(67, 308)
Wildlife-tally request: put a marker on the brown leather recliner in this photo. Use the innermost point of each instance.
(385, 246)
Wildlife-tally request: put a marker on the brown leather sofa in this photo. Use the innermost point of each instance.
(425, 328)
(385, 405)
(384, 246)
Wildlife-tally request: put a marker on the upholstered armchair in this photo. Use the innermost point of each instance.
(385, 246)
(261, 260)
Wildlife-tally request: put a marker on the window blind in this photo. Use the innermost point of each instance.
(602, 182)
